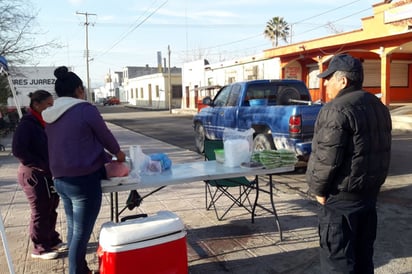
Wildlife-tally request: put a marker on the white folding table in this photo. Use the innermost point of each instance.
(193, 172)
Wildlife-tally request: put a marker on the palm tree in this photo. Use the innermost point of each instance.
(277, 28)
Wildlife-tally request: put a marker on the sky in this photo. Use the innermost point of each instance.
(131, 32)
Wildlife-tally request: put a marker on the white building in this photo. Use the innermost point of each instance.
(149, 87)
(200, 79)
(113, 82)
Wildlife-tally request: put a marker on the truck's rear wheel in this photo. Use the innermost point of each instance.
(200, 138)
(263, 142)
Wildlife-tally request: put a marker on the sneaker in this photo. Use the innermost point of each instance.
(46, 256)
(60, 247)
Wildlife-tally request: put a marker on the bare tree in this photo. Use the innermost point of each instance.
(4, 92)
(18, 31)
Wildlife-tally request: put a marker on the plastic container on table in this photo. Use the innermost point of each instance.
(220, 155)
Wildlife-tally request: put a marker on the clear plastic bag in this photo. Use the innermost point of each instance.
(137, 158)
(237, 145)
(147, 164)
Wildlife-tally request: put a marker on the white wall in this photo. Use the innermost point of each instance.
(193, 75)
(152, 90)
(248, 68)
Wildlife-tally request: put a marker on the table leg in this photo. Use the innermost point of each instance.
(256, 198)
(116, 206)
(272, 202)
(111, 207)
(273, 206)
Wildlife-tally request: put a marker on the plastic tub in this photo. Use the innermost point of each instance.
(220, 155)
(258, 102)
(236, 152)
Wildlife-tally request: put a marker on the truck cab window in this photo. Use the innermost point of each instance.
(222, 97)
(234, 96)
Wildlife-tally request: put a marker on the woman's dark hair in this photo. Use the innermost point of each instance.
(67, 82)
(38, 96)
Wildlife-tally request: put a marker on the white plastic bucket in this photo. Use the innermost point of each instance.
(237, 151)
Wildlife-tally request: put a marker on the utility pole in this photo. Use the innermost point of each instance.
(170, 82)
(86, 24)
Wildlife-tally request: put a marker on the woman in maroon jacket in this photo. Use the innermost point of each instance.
(34, 176)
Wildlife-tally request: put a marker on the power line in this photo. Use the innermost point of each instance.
(134, 28)
(325, 12)
(300, 21)
(234, 42)
(337, 20)
(317, 15)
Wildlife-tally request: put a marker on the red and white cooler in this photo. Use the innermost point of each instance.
(154, 244)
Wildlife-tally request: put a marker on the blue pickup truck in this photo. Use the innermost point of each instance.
(280, 111)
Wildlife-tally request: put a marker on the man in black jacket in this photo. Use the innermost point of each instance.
(349, 163)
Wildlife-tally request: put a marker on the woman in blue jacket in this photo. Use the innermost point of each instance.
(34, 176)
(78, 141)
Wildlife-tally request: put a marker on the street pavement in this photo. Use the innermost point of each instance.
(233, 245)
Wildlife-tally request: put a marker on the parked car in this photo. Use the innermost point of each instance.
(280, 112)
(100, 101)
(111, 100)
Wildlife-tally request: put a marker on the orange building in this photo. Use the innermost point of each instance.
(384, 43)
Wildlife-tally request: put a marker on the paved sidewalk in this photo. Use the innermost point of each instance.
(234, 245)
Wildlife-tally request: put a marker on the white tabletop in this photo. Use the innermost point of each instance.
(187, 173)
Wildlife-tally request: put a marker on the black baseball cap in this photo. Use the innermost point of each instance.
(342, 62)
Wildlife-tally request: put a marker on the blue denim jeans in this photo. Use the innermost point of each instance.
(82, 197)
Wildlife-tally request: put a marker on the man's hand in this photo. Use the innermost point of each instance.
(321, 200)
